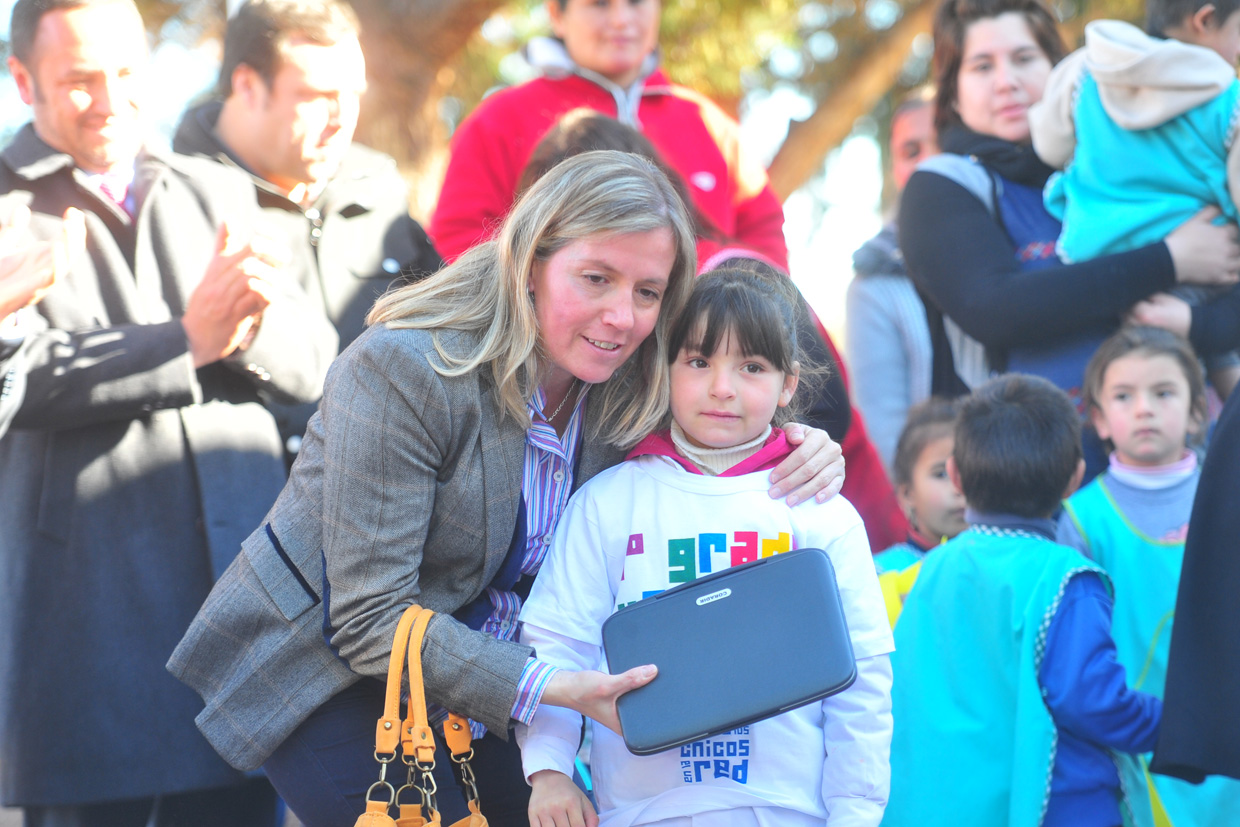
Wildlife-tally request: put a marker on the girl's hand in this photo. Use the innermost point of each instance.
(815, 469)
(594, 694)
(555, 801)
(1204, 252)
(1165, 311)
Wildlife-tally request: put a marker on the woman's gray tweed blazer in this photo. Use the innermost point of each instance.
(406, 490)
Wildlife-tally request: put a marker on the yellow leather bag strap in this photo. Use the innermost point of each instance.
(417, 740)
(388, 729)
(457, 735)
(414, 737)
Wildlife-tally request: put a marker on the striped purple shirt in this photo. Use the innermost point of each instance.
(546, 483)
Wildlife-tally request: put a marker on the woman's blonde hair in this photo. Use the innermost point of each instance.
(486, 290)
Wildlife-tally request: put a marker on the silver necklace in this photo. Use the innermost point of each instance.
(563, 402)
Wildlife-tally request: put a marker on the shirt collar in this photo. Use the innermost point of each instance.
(1158, 477)
(1043, 526)
(32, 158)
(538, 403)
(549, 56)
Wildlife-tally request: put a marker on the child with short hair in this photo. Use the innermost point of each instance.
(1007, 696)
(1146, 398)
(1143, 127)
(691, 500)
(933, 506)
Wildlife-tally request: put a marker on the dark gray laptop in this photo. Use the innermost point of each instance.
(732, 648)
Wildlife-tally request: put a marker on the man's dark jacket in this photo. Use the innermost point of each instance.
(128, 478)
(357, 236)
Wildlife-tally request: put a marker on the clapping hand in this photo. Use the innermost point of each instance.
(29, 267)
(228, 303)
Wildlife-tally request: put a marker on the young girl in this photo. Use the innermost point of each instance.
(689, 501)
(1146, 398)
(933, 506)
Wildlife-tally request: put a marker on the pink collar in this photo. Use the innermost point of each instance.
(1157, 477)
(767, 457)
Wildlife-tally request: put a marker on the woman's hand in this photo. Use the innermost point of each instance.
(1204, 252)
(1165, 311)
(815, 469)
(555, 801)
(594, 694)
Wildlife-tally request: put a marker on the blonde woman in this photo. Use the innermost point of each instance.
(449, 438)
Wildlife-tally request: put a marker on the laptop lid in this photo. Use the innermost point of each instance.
(735, 647)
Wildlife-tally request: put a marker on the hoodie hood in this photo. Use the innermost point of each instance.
(1142, 81)
(1146, 81)
(880, 256)
(195, 134)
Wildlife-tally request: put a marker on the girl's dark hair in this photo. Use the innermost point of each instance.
(927, 421)
(1146, 341)
(758, 311)
(584, 130)
(951, 24)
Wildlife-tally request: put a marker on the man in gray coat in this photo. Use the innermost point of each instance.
(141, 454)
(290, 85)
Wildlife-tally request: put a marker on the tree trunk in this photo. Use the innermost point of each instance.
(410, 47)
(809, 141)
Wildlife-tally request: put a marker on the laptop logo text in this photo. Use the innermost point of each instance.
(711, 598)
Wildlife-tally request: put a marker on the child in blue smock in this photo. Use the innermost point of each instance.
(1146, 398)
(1007, 696)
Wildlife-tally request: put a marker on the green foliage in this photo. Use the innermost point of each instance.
(189, 21)
(722, 48)
(711, 45)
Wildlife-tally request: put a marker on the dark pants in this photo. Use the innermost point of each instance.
(252, 803)
(325, 767)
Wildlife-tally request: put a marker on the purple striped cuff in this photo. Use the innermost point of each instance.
(534, 679)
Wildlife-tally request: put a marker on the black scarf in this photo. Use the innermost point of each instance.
(1015, 162)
